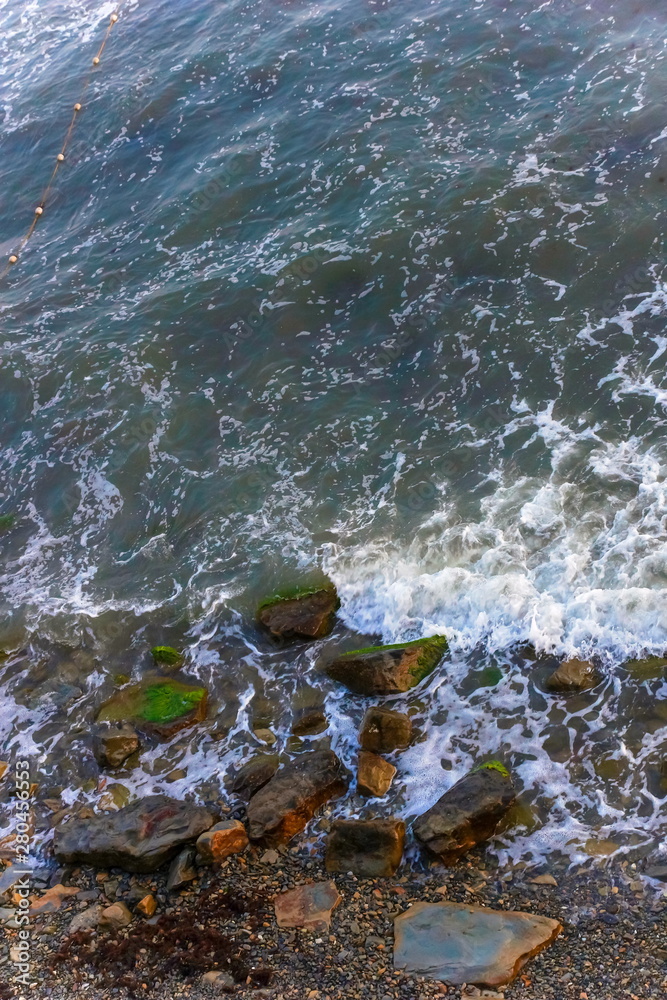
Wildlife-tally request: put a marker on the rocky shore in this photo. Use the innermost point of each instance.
(166, 896)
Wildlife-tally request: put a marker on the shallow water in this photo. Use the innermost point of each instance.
(364, 290)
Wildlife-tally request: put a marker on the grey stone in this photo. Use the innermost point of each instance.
(469, 944)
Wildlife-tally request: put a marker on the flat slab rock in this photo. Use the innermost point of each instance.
(308, 906)
(283, 807)
(388, 669)
(460, 944)
(138, 838)
(304, 616)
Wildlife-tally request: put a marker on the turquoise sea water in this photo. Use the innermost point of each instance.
(367, 290)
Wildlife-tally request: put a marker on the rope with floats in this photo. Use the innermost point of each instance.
(60, 158)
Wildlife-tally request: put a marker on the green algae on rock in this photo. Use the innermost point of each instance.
(167, 656)
(388, 669)
(157, 705)
(7, 522)
(300, 613)
(649, 668)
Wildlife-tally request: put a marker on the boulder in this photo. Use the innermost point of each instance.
(156, 705)
(182, 869)
(458, 944)
(252, 776)
(308, 906)
(383, 730)
(138, 838)
(113, 744)
(573, 675)
(374, 775)
(167, 656)
(388, 670)
(310, 722)
(221, 841)
(282, 807)
(369, 848)
(468, 813)
(306, 615)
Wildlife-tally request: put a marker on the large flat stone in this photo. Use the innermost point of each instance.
(138, 838)
(369, 848)
(308, 906)
(460, 944)
(283, 807)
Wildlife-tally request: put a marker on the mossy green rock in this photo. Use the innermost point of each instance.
(384, 670)
(300, 613)
(157, 705)
(648, 669)
(6, 522)
(167, 656)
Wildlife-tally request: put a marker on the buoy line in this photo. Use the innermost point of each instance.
(60, 158)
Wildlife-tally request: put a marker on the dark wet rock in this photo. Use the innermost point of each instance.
(167, 656)
(112, 744)
(157, 705)
(383, 730)
(221, 841)
(182, 869)
(573, 675)
(369, 848)
(310, 722)
(252, 776)
(283, 807)
(374, 775)
(658, 872)
(138, 838)
(468, 813)
(388, 669)
(457, 944)
(308, 906)
(300, 616)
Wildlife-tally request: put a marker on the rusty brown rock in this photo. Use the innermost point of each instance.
(374, 775)
(147, 906)
(52, 899)
(221, 841)
(283, 807)
(308, 906)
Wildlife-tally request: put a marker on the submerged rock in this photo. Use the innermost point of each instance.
(573, 675)
(308, 906)
(310, 722)
(369, 848)
(383, 730)
(221, 841)
(460, 944)
(112, 744)
(252, 776)
(468, 813)
(374, 775)
(167, 656)
(647, 669)
(157, 705)
(138, 838)
(306, 615)
(282, 807)
(388, 669)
